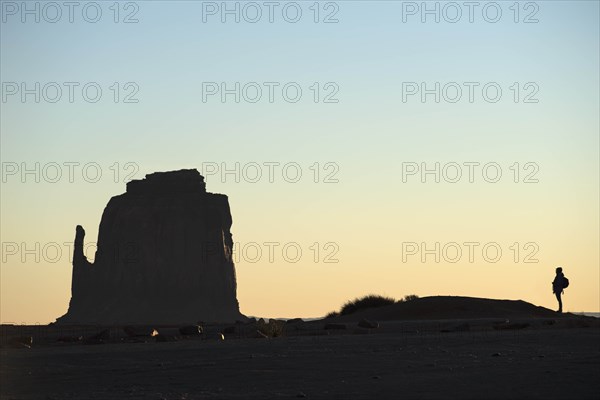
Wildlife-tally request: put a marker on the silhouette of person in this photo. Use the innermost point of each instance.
(558, 284)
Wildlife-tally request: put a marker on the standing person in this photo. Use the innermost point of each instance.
(558, 285)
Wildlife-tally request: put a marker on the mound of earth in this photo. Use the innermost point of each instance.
(452, 307)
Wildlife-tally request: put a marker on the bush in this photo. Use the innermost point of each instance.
(369, 301)
(365, 302)
(408, 298)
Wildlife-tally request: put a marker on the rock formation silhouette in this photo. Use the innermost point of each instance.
(164, 256)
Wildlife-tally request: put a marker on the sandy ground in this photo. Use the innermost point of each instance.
(388, 363)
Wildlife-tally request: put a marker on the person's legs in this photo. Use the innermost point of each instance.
(558, 297)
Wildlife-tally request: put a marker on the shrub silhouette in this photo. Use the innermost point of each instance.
(408, 298)
(370, 301)
(362, 303)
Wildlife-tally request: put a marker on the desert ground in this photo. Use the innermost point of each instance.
(470, 358)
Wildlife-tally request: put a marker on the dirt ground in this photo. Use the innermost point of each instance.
(553, 363)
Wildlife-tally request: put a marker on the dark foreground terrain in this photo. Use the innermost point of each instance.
(425, 359)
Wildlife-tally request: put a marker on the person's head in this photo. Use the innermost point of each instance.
(559, 270)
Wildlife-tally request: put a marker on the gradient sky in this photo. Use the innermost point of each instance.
(369, 135)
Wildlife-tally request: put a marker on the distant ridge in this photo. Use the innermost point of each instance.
(588, 314)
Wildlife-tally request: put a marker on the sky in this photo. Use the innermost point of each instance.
(384, 147)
